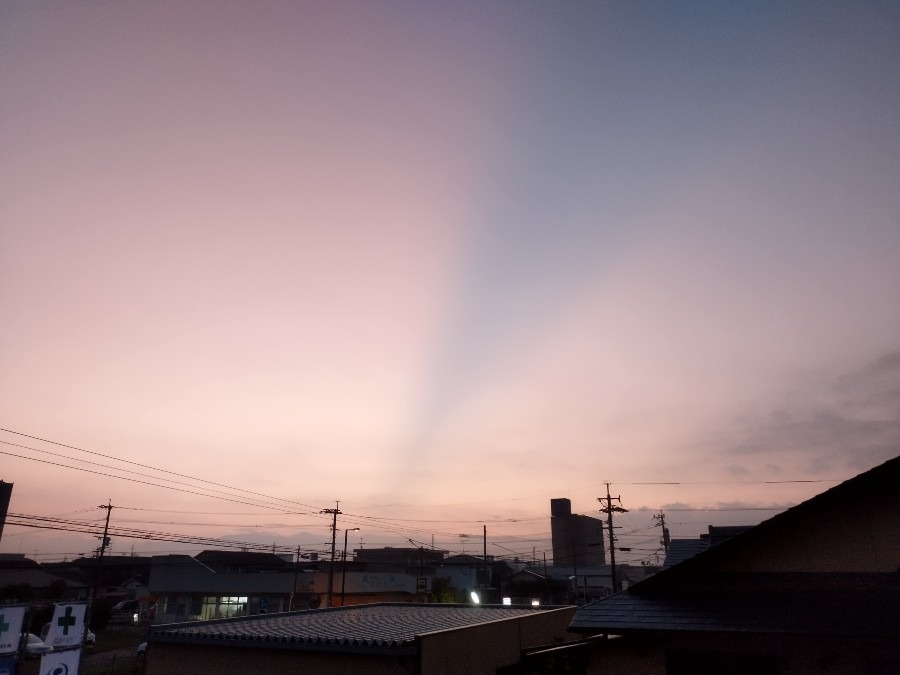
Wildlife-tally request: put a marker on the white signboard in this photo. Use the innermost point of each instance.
(61, 663)
(11, 619)
(67, 625)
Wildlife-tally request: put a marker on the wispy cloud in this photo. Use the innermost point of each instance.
(851, 422)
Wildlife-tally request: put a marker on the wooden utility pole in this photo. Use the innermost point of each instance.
(661, 522)
(609, 509)
(294, 587)
(104, 542)
(485, 584)
(334, 512)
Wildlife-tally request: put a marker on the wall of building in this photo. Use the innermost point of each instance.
(180, 659)
(184, 585)
(463, 579)
(482, 649)
(178, 607)
(739, 655)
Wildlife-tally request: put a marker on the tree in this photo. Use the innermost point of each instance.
(442, 590)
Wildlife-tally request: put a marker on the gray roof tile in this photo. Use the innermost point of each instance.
(393, 626)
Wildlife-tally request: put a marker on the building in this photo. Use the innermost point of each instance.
(561, 585)
(220, 584)
(680, 550)
(377, 639)
(420, 561)
(238, 562)
(234, 583)
(116, 578)
(815, 589)
(24, 580)
(577, 540)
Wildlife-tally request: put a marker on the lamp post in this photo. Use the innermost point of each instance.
(344, 565)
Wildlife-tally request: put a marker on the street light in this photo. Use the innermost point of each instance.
(344, 565)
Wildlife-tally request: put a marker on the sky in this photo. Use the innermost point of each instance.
(434, 264)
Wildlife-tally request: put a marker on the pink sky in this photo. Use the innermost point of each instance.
(444, 264)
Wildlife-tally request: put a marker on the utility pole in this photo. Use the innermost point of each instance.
(575, 571)
(546, 588)
(609, 509)
(334, 512)
(661, 522)
(294, 587)
(344, 563)
(104, 542)
(487, 574)
(421, 578)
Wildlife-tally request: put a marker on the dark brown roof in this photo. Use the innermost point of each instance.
(247, 560)
(682, 549)
(797, 604)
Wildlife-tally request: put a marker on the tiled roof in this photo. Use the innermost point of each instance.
(682, 549)
(369, 627)
(214, 557)
(869, 610)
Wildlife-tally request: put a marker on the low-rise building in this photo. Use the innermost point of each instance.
(239, 584)
(416, 639)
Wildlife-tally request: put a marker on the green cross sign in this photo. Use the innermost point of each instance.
(66, 621)
(3, 625)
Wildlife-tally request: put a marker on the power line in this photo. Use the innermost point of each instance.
(83, 527)
(114, 468)
(132, 480)
(394, 526)
(153, 468)
(737, 508)
(739, 482)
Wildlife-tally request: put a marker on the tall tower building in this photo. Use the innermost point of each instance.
(577, 540)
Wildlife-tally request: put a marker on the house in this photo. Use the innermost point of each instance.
(116, 578)
(220, 584)
(562, 585)
(419, 560)
(815, 589)
(463, 574)
(359, 587)
(417, 639)
(242, 561)
(23, 579)
(234, 583)
(389, 574)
